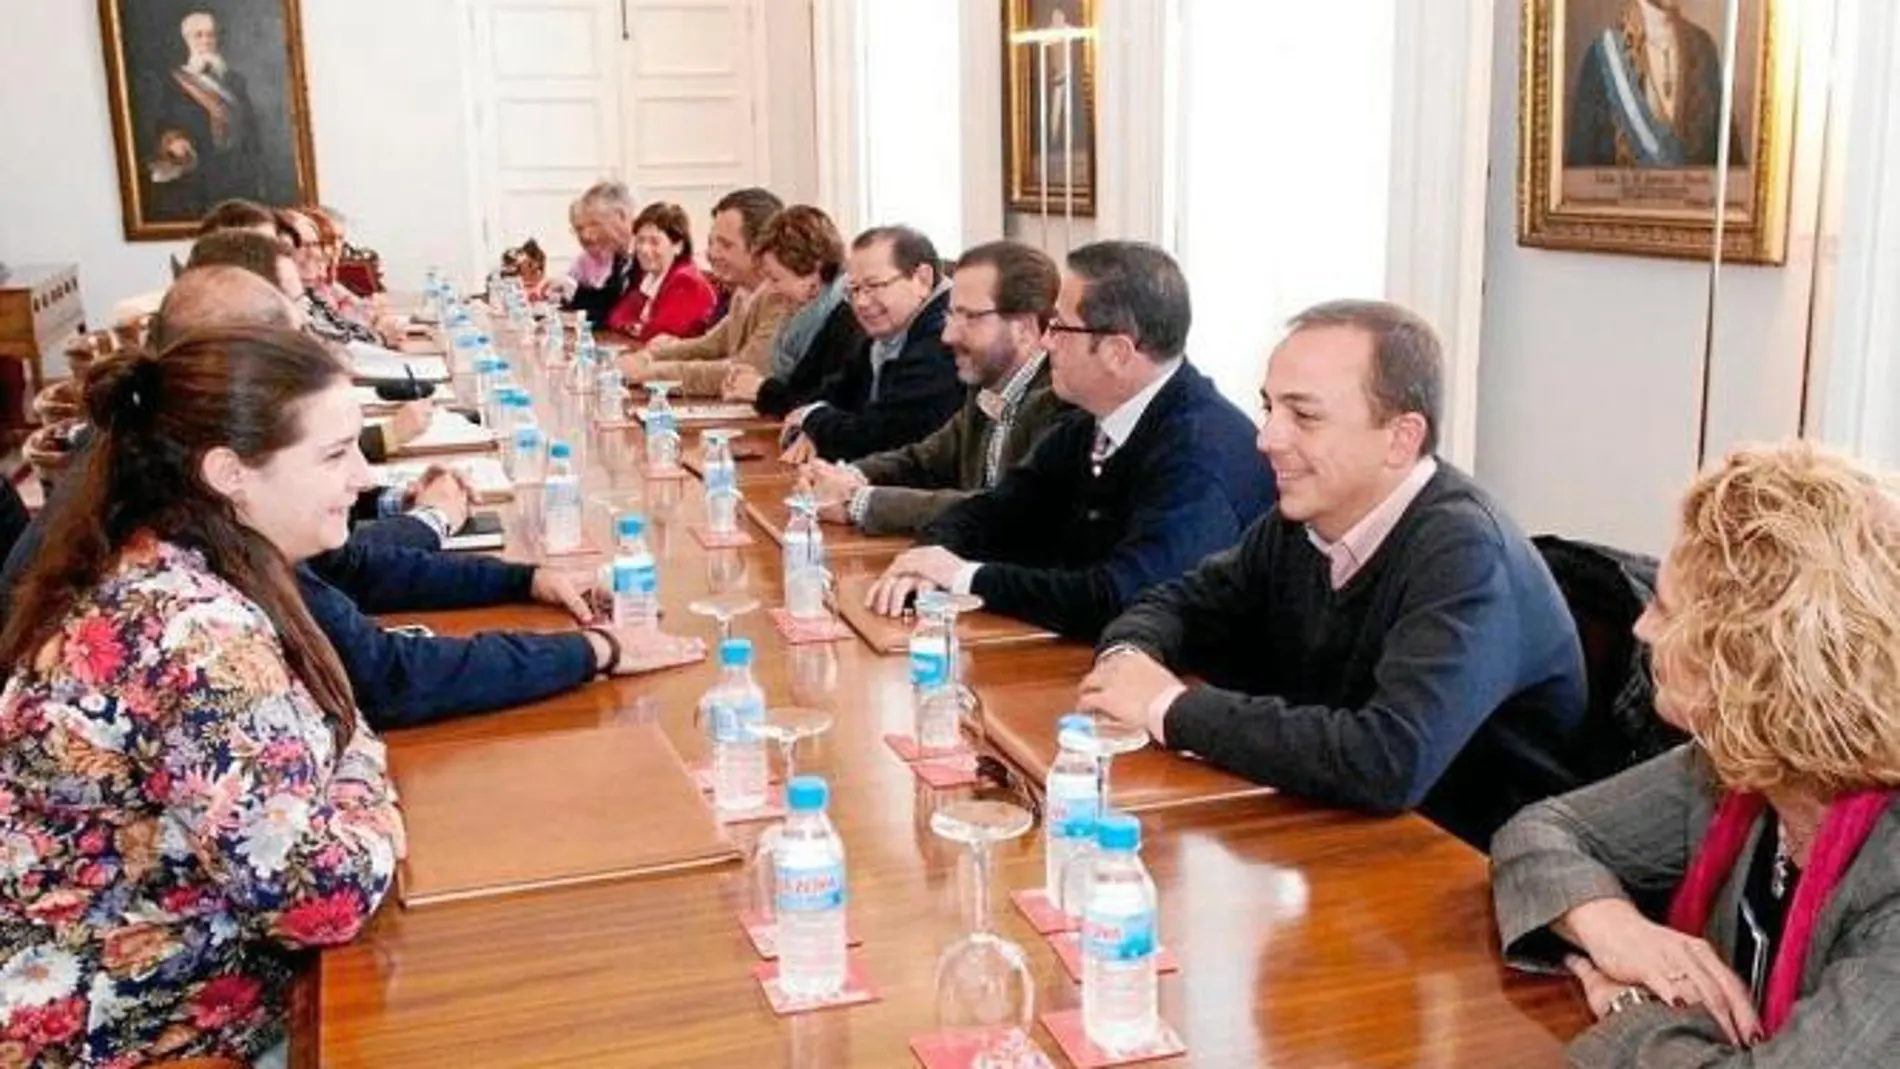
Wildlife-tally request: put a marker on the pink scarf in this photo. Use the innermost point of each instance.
(1849, 821)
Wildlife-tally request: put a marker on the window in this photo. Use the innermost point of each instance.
(910, 136)
(1285, 146)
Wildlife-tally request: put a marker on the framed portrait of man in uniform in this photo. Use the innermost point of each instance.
(208, 103)
(1620, 128)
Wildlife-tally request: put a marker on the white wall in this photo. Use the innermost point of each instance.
(387, 115)
(387, 105)
(1587, 386)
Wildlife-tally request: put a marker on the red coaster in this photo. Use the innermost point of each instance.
(1066, 1026)
(1068, 948)
(762, 932)
(906, 749)
(958, 1049)
(1041, 913)
(947, 772)
(857, 989)
(712, 539)
(662, 472)
(800, 632)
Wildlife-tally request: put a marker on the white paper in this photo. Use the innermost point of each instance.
(374, 363)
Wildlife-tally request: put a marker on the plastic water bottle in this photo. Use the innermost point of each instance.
(636, 580)
(804, 559)
(1072, 800)
(525, 441)
(554, 346)
(662, 428)
(494, 381)
(809, 874)
(722, 481)
(934, 695)
(1119, 941)
(561, 502)
(733, 710)
(610, 393)
(468, 352)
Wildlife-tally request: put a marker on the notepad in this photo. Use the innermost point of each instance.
(485, 474)
(374, 363)
(449, 432)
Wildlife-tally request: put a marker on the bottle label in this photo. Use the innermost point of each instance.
(635, 577)
(733, 719)
(1071, 814)
(810, 889)
(929, 667)
(1118, 936)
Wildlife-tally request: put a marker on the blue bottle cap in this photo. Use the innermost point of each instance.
(630, 524)
(807, 794)
(735, 652)
(1117, 831)
(559, 451)
(1081, 722)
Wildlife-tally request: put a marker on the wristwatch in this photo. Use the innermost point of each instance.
(1629, 996)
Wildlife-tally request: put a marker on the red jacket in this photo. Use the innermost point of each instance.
(681, 307)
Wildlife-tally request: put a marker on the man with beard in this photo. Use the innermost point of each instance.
(1002, 295)
(206, 146)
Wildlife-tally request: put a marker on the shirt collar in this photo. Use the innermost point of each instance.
(997, 403)
(1121, 423)
(1348, 555)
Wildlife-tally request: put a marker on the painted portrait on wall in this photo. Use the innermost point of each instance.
(1049, 67)
(208, 103)
(1621, 121)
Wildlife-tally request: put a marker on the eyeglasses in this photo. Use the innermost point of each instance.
(970, 315)
(857, 290)
(1054, 327)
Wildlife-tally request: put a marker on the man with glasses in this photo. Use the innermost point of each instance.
(903, 383)
(1155, 472)
(1001, 297)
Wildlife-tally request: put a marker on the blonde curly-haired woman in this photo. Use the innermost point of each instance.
(1769, 848)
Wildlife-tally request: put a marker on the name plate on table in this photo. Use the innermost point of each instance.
(1019, 720)
(771, 513)
(499, 816)
(888, 634)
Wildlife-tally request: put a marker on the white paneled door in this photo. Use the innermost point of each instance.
(661, 93)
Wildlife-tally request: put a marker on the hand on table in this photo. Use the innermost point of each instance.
(914, 570)
(802, 451)
(447, 491)
(1124, 686)
(565, 591)
(833, 485)
(410, 422)
(741, 384)
(1625, 948)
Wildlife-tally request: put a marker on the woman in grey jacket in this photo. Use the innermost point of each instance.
(1770, 846)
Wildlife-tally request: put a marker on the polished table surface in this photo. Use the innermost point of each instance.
(1307, 936)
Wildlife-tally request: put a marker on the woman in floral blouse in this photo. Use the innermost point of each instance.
(187, 798)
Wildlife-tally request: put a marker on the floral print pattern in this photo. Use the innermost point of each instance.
(176, 825)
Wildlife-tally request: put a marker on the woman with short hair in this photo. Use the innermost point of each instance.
(1737, 900)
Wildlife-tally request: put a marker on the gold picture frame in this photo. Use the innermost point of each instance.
(208, 102)
(1603, 168)
(1070, 166)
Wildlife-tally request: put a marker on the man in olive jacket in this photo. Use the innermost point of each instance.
(1001, 296)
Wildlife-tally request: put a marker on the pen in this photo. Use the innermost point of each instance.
(415, 388)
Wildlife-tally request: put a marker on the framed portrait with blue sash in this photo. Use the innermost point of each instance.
(208, 103)
(1621, 127)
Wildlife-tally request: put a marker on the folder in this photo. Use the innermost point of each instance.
(889, 634)
(498, 816)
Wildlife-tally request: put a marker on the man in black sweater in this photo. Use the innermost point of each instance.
(1385, 639)
(902, 383)
(1153, 473)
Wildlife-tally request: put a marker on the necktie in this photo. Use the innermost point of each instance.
(1098, 453)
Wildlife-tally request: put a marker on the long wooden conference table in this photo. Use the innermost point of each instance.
(1307, 936)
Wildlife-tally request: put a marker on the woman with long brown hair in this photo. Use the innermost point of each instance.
(1736, 902)
(186, 793)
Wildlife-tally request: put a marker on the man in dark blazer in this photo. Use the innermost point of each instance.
(1002, 294)
(1155, 472)
(902, 384)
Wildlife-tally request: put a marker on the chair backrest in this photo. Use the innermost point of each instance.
(360, 271)
(1606, 590)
